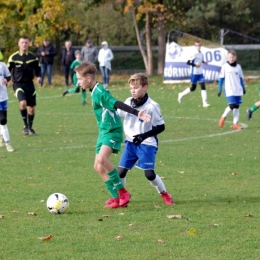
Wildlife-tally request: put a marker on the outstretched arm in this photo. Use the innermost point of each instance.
(141, 114)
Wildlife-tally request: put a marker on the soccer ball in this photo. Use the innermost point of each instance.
(57, 203)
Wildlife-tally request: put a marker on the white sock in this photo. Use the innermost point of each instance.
(185, 92)
(226, 112)
(235, 115)
(123, 180)
(5, 133)
(158, 184)
(204, 96)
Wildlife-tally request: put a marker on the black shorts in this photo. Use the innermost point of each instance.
(27, 92)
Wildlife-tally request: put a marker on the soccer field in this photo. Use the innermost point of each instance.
(212, 173)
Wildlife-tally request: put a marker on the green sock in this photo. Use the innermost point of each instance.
(71, 90)
(115, 179)
(111, 188)
(83, 96)
(253, 108)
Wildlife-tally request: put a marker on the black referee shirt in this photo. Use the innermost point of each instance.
(23, 66)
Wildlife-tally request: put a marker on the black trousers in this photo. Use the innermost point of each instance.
(67, 73)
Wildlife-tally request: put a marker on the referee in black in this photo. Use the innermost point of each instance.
(24, 65)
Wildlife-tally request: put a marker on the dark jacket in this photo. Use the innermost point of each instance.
(47, 59)
(71, 56)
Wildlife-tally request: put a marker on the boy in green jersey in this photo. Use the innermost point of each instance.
(110, 131)
(76, 89)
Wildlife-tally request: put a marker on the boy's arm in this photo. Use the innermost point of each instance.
(141, 114)
(138, 139)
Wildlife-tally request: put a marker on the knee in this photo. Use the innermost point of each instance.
(3, 121)
(203, 86)
(193, 87)
(122, 172)
(23, 104)
(232, 106)
(31, 110)
(150, 174)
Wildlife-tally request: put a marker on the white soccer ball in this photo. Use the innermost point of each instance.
(57, 203)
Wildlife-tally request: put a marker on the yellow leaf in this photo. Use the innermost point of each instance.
(192, 232)
(160, 241)
(2, 216)
(249, 215)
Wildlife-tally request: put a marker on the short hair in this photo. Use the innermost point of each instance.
(68, 42)
(86, 69)
(198, 41)
(233, 52)
(138, 78)
(24, 37)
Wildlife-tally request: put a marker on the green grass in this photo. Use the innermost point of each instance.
(195, 157)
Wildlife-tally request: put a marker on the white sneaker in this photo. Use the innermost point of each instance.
(179, 98)
(206, 105)
(2, 142)
(9, 147)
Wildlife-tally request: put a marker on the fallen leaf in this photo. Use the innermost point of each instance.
(160, 241)
(132, 224)
(2, 156)
(174, 216)
(121, 214)
(2, 216)
(119, 238)
(249, 215)
(214, 225)
(162, 177)
(234, 173)
(192, 232)
(100, 219)
(31, 214)
(41, 201)
(45, 238)
(15, 212)
(157, 207)
(105, 216)
(181, 172)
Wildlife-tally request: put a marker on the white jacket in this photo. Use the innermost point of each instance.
(105, 56)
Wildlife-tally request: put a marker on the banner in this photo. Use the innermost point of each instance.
(177, 70)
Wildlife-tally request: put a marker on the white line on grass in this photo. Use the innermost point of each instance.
(162, 141)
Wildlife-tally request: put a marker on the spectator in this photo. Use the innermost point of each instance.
(89, 52)
(46, 54)
(67, 57)
(105, 56)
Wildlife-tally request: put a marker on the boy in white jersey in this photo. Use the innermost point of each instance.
(232, 76)
(141, 142)
(196, 75)
(110, 132)
(5, 76)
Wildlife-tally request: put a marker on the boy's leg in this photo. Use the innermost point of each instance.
(204, 95)
(236, 126)
(224, 116)
(158, 184)
(4, 131)
(252, 109)
(102, 158)
(83, 96)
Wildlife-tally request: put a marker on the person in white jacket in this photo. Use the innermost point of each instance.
(105, 56)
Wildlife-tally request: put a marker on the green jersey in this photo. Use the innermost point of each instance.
(103, 105)
(74, 65)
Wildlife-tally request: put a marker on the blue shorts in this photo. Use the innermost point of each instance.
(144, 154)
(3, 105)
(196, 78)
(237, 100)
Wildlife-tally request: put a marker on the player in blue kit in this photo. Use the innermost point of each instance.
(141, 142)
(231, 76)
(196, 75)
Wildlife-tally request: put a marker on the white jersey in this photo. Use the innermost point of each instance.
(4, 72)
(134, 126)
(197, 58)
(232, 79)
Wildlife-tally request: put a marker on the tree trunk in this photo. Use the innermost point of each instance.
(149, 69)
(161, 42)
(137, 32)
